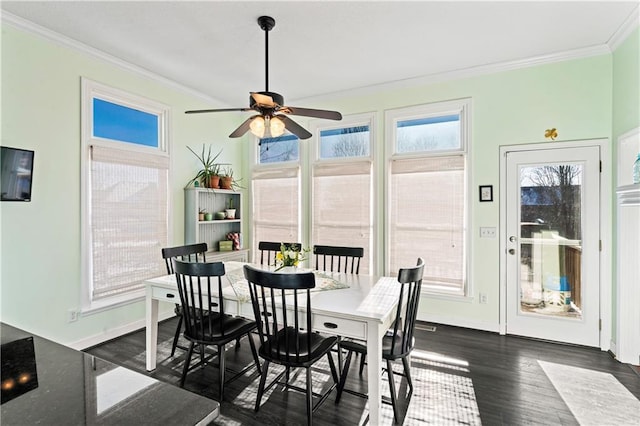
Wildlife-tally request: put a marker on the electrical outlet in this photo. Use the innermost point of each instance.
(73, 315)
(487, 232)
(483, 298)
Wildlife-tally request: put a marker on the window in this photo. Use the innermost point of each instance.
(282, 149)
(275, 189)
(125, 193)
(426, 197)
(342, 187)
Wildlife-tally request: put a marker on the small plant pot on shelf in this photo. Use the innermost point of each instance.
(231, 213)
(212, 182)
(200, 217)
(208, 216)
(226, 182)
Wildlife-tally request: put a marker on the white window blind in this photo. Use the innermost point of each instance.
(129, 218)
(342, 197)
(276, 206)
(427, 219)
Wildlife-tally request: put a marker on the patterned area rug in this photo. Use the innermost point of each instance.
(443, 390)
(580, 388)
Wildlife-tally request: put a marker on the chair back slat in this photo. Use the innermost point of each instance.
(198, 284)
(410, 280)
(280, 328)
(269, 249)
(188, 252)
(338, 258)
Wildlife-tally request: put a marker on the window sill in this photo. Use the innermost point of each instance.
(451, 297)
(113, 302)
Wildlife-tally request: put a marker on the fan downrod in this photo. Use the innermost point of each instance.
(266, 23)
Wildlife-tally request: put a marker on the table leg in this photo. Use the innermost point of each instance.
(374, 367)
(151, 319)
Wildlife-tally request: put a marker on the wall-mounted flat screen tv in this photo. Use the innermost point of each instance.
(17, 172)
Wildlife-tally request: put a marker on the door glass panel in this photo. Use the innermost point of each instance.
(550, 240)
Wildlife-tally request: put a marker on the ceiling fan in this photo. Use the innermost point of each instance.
(272, 118)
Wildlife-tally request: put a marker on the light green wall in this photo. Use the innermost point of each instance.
(626, 85)
(508, 108)
(41, 244)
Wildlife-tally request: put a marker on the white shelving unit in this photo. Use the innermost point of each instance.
(628, 243)
(213, 231)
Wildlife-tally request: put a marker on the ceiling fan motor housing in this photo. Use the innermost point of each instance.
(277, 98)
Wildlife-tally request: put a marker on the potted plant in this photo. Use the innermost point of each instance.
(209, 173)
(231, 211)
(227, 181)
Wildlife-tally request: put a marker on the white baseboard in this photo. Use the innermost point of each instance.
(115, 332)
(460, 322)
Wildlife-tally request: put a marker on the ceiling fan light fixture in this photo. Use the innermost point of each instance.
(267, 127)
(276, 126)
(257, 127)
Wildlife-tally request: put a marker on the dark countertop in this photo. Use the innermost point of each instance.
(46, 383)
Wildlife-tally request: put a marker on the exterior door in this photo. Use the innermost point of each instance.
(552, 242)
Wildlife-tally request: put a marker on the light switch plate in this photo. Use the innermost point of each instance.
(487, 232)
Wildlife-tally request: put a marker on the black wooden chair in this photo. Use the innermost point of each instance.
(268, 251)
(398, 342)
(287, 338)
(338, 259)
(189, 253)
(199, 285)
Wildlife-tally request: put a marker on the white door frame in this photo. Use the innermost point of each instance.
(606, 230)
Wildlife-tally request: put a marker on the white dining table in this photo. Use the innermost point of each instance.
(364, 310)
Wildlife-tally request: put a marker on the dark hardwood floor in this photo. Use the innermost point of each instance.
(461, 376)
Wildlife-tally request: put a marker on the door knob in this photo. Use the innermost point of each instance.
(512, 251)
(512, 239)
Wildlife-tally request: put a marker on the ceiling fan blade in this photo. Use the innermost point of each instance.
(199, 111)
(294, 127)
(308, 112)
(243, 128)
(263, 100)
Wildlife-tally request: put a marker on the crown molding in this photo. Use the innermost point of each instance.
(30, 27)
(467, 72)
(618, 37)
(627, 27)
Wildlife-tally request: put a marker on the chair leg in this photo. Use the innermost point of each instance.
(332, 366)
(238, 344)
(343, 376)
(263, 380)
(221, 358)
(177, 336)
(254, 352)
(392, 389)
(202, 355)
(363, 358)
(407, 373)
(309, 398)
(186, 364)
(339, 357)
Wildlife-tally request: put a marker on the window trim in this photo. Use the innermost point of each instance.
(89, 90)
(351, 120)
(460, 107)
(392, 116)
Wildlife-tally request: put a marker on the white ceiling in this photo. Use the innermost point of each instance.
(321, 48)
